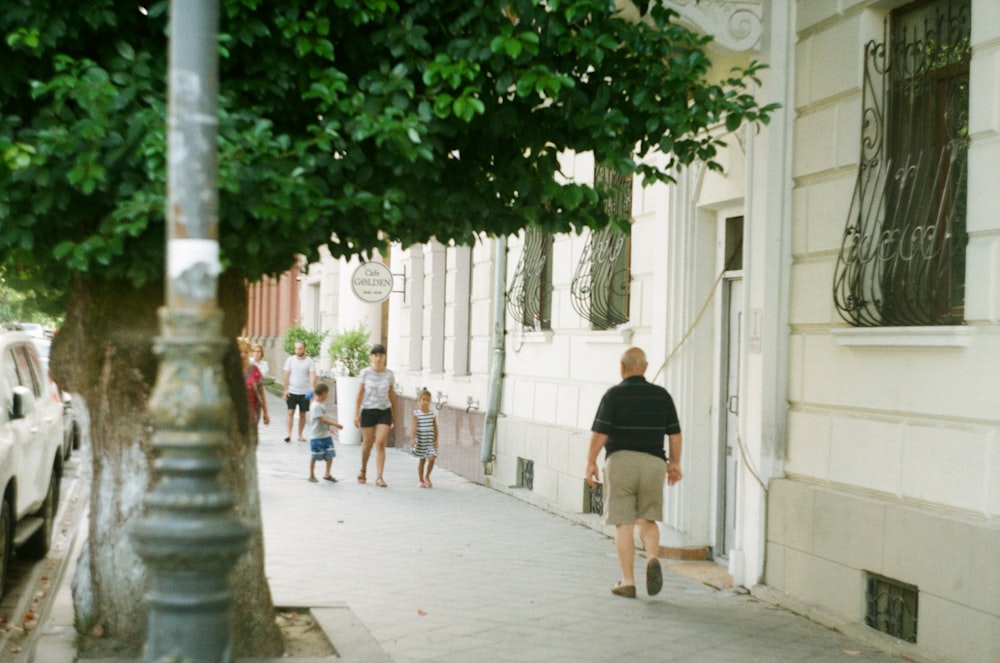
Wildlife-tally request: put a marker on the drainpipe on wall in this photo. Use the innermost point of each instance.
(499, 351)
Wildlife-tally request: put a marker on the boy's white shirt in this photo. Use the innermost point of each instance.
(316, 429)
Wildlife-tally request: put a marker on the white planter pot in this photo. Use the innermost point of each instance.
(347, 398)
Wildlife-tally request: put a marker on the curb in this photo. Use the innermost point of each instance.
(56, 641)
(348, 635)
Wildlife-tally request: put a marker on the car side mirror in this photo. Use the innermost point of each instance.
(23, 403)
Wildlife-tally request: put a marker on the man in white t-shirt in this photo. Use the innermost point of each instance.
(300, 381)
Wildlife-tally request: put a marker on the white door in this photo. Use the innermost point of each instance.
(729, 421)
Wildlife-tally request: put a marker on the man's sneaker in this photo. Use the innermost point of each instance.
(654, 577)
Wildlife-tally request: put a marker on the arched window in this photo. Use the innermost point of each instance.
(600, 286)
(529, 299)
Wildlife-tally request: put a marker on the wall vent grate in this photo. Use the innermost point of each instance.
(891, 607)
(593, 498)
(525, 473)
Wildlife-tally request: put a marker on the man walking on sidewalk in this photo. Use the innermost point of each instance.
(300, 380)
(632, 420)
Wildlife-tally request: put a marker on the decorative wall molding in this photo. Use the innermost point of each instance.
(737, 25)
(939, 336)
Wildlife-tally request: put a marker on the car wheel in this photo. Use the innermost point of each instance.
(76, 436)
(38, 545)
(6, 525)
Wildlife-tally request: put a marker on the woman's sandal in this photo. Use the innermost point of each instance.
(361, 477)
(380, 482)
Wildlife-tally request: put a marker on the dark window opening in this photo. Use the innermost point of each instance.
(734, 243)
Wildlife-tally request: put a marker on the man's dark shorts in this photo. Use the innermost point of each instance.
(370, 418)
(301, 400)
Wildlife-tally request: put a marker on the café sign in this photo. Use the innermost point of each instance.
(371, 282)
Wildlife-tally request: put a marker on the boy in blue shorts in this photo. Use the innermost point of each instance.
(318, 429)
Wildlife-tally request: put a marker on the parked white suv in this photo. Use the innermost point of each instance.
(31, 436)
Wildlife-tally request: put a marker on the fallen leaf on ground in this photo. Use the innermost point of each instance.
(852, 652)
(421, 612)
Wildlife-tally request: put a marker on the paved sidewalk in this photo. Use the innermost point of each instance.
(462, 573)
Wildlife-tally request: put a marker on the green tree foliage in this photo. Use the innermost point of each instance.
(24, 299)
(346, 123)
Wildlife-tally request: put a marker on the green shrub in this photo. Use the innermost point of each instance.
(350, 350)
(313, 340)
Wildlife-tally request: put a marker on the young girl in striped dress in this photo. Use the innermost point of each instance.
(425, 437)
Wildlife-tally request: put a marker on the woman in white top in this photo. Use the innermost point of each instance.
(257, 359)
(375, 411)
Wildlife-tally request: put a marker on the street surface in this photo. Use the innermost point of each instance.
(31, 584)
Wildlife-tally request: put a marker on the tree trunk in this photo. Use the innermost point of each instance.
(104, 352)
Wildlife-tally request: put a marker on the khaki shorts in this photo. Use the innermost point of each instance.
(633, 487)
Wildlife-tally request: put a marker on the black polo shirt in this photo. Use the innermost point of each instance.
(636, 415)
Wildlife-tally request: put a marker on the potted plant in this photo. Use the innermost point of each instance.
(350, 352)
(313, 340)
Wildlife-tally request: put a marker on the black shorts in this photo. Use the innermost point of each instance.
(371, 418)
(301, 400)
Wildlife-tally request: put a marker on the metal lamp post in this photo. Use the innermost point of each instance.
(189, 537)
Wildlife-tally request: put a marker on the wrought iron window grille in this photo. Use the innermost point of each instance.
(891, 607)
(529, 299)
(600, 287)
(902, 262)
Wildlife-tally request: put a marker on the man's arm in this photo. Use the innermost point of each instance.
(597, 441)
(674, 460)
(288, 375)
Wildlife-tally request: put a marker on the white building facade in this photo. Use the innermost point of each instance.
(838, 394)
(889, 499)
